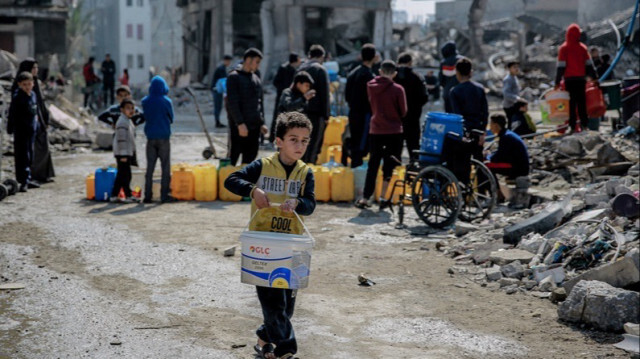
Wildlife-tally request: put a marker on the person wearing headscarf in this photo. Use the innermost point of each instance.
(42, 166)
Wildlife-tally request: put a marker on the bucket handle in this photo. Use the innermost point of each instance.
(306, 229)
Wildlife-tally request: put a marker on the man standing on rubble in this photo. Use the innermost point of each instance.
(318, 107)
(574, 65)
(417, 96)
(447, 76)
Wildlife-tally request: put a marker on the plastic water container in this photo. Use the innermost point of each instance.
(182, 184)
(342, 189)
(206, 182)
(322, 177)
(276, 260)
(596, 107)
(104, 179)
(436, 127)
(359, 179)
(224, 193)
(333, 132)
(90, 184)
(558, 104)
(335, 154)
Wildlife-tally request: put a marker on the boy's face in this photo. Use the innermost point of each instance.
(253, 63)
(121, 95)
(494, 127)
(294, 144)
(303, 87)
(128, 110)
(514, 69)
(524, 108)
(26, 86)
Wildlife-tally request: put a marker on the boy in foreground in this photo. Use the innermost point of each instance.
(281, 178)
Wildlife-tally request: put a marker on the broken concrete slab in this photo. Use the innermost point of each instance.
(462, 228)
(555, 270)
(617, 274)
(571, 146)
(632, 328)
(505, 282)
(601, 305)
(548, 284)
(482, 252)
(607, 154)
(513, 270)
(493, 273)
(230, 252)
(593, 199)
(104, 140)
(510, 255)
(531, 243)
(634, 254)
(590, 215)
(61, 120)
(558, 295)
(631, 343)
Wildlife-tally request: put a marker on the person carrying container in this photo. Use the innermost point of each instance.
(281, 178)
(574, 66)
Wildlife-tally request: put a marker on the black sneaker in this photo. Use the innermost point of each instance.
(219, 125)
(23, 188)
(33, 184)
(169, 199)
(147, 200)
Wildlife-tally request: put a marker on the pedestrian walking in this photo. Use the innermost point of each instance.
(417, 97)
(282, 81)
(90, 81)
(216, 88)
(318, 108)
(108, 70)
(245, 109)
(359, 107)
(447, 75)
(158, 110)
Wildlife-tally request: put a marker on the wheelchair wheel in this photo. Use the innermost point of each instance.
(11, 185)
(436, 196)
(480, 194)
(4, 192)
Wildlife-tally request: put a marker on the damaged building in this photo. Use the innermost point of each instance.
(24, 24)
(213, 28)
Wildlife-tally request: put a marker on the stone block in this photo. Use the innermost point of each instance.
(513, 270)
(601, 305)
(462, 228)
(529, 284)
(547, 285)
(611, 185)
(531, 243)
(558, 295)
(104, 140)
(634, 254)
(510, 255)
(632, 328)
(504, 282)
(593, 199)
(493, 273)
(618, 274)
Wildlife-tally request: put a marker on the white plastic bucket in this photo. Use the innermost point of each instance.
(276, 260)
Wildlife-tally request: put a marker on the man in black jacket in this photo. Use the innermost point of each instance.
(282, 81)
(297, 96)
(359, 107)
(108, 78)
(220, 73)
(417, 96)
(318, 107)
(245, 109)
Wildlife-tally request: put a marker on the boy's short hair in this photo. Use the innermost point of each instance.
(24, 76)
(289, 120)
(316, 50)
(252, 52)
(512, 63)
(123, 88)
(227, 57)
(499, 120)
(127, 101)
(404, 58)
(388, 67)
(521, 102)
(464, 66)
(303, 77)
(368, 52)
(293, 57)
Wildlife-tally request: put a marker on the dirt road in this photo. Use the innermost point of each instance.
(150, 281)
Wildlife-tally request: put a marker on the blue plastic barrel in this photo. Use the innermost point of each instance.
(437, 126)
(105, 178)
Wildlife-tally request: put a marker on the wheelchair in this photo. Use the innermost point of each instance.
(449, 186)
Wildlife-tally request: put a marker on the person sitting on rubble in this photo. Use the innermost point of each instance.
(297, 96)
(512, 158)
(111, 114)
(521, 123)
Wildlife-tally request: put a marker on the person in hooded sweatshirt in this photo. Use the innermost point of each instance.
(388, 106)
(158, 114)
(417, 97)
(574, 64)
(447, 76)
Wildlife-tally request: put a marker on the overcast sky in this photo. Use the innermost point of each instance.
(416, 7)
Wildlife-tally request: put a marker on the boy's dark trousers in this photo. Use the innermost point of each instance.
(359, 136)
(158, 148)
(411, 131)
(277, 310)
(23, 152)
(245, 146)
(217, 106)
(382, 148)
(317, 137)
(123, 177)
(108, 88)
(510, 111)
(576, 87)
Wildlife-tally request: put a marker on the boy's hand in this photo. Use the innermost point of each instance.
(310, 94)
(261, 199)
(243, 131)
(264, 129)
(289, 205)
(123, 159)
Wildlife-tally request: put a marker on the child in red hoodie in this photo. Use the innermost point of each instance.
(388, 107)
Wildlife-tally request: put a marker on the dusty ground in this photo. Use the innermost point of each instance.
(149, 281)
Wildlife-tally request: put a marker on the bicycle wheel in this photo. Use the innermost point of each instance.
(479, 194)
(436, 196)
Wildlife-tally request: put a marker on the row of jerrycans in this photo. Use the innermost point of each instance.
(203, 182)
(334, 184)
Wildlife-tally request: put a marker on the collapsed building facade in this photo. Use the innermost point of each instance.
(213, 28)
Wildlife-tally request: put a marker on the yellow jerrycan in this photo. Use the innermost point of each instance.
(182, 184)
(342, 184)
(223, 193)
(206, 182)
(90, 184)
(322, 177)
(333, 132)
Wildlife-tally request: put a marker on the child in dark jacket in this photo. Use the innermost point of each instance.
(124, 147)
(110, 116)
(23, 124)
(296, 97)
(521, 123)
(388, 106)
(281, 178)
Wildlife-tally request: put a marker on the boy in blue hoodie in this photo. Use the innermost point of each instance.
(158, 114)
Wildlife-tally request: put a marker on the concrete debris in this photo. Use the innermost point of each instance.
(618, 274)
(462, 228)
(230, 252)
(558, 295)
(494, 273)
(631, 343)
(542, 222)
(600, 305)
(513, 270)
(632, 328)
(510, 255)
(548, 284)
(104, 140)
(504, 282)
(62, 120)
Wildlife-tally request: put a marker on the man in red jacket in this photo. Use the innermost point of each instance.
(388, 107)
(574, 62)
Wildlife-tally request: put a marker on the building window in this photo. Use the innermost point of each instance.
(129, 2)
(141, 3)
(141, 61)
(130, 61)
(129, 31)
(140, 32)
